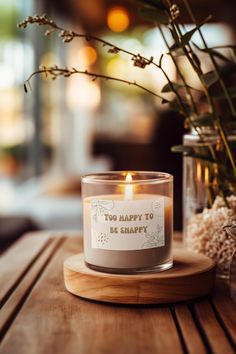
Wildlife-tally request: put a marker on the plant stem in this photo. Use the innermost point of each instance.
(210, 102)
(138, 59)
(214, 62)
(56, 71)
(88, 37)
(179, 98)
(179, 72)
(226, 143)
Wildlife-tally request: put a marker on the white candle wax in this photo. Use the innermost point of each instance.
(128, 188)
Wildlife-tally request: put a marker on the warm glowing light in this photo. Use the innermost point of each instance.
(88, 54)
(118, 19)
(82, 93)
(199, 171)
(128, 188)
(206, 175)
(128, 177)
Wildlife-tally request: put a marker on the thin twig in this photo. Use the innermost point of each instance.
(179, 72)
(67, 36)
(214, 62)
(56, 71)
(211, 103)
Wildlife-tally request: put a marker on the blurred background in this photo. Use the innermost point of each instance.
(62, 129)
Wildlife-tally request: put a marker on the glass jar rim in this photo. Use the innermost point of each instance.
(104, 177)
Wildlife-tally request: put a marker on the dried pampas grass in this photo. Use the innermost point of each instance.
(209, 233)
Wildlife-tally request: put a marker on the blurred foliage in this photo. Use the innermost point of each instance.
(9, 17)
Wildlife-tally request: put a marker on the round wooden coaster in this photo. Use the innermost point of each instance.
(192, 276)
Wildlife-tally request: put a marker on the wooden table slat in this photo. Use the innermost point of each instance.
(190, 333)
(226, 309)
(43, 317)
(92, 327)
(16, 299)
(15, 261)
(212, 328)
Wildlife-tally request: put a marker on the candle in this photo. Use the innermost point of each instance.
(127, 221)
(128, 188)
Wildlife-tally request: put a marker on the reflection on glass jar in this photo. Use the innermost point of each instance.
(209, 201)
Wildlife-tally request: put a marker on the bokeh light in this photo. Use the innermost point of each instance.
(88, 54)
(118, 19)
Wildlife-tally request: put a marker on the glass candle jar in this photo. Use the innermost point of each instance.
(127, 221)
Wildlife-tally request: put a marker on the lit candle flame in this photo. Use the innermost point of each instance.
(128, 188)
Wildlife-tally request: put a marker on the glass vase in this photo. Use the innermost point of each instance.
(209, 213)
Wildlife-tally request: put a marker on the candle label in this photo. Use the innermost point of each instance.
(128, 224)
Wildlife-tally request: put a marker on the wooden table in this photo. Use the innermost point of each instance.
(39, 316)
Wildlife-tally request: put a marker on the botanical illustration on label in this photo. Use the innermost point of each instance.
(127, 224)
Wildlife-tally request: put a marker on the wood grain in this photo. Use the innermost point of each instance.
(63, 323)
(226, 309)
(45, 318)
(212, 329)
(15, 261)
(190, 333)
(17, 297)
(192, 276)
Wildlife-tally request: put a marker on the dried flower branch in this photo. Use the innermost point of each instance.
(142, 62)
(67, 36)
(164, 12)
(54, 72)
(174, 12)
(138, 60)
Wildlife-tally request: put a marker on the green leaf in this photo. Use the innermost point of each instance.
(158, 16)
(210, 78)
(213, 52)
(188, 151)
(231, 46)
(188, 35)
(185, 38)
(227, 46)
(183, 149)
(174, 86)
